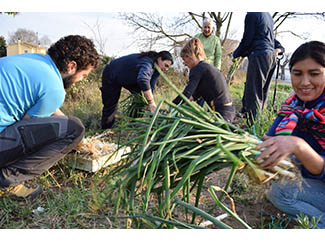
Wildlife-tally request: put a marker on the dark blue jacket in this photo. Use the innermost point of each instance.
(131, 71)
(258, 35)
(304, 135)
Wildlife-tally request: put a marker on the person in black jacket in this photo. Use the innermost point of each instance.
(136, 73)
(205, 81)
(261, 47)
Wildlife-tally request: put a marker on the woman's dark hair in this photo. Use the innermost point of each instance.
(74, 48)
(164, 55)
(313, 49)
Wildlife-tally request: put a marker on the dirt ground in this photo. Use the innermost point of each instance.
(250, 203)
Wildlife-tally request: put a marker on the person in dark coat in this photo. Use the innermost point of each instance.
(205, 81)
(136, 73)
(258, 44)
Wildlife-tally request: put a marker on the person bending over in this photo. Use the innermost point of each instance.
(136, 73)
(205, 81)
(34, 132)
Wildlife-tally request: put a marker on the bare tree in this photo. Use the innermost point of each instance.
(45, 42)
(154, 29)
(280, 18)
(28, 36)
(96, 30)
(219, 19)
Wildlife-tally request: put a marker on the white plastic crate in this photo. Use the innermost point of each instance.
(86, 163)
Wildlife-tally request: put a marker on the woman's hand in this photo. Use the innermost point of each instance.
(149, 97)
(152, 107)
(277, 148)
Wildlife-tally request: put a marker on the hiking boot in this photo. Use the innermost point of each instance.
(21, 191)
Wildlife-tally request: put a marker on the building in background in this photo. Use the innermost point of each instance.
(21, 48)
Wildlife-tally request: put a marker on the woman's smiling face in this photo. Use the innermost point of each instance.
(308, 79)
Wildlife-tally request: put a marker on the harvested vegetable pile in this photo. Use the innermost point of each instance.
(174, 152)
(94, 148)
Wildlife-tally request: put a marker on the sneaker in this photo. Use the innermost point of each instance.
(21, 191)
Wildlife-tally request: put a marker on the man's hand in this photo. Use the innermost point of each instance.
(277, 52)
(58, 113)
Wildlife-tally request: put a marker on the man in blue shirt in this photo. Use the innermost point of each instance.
(34, 133)
(258, 44)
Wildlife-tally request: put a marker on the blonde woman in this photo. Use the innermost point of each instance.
(205, 81)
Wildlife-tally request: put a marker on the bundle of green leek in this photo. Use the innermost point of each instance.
(133, 105)
(173, 153)
(233, 68)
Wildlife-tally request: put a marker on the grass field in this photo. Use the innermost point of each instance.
(68, 197)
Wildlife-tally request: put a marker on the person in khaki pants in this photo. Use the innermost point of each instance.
(34, 132)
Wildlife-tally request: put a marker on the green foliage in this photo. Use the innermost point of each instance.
(233, 68)
(240, 184)
(83, 100)
(10, 13)
(305, 223)
(2, 41)
(133, 105)
(280, 221)
(263, 121)
(96, 75)
(3, 44)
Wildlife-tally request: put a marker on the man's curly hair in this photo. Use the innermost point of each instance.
(74, 48)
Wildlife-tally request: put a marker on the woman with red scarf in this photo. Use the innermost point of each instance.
(299, 130)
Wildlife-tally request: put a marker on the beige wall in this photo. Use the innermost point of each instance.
(21, 48)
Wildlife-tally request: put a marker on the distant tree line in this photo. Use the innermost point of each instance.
(3, 49)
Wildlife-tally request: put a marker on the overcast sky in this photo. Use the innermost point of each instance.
(65, 18)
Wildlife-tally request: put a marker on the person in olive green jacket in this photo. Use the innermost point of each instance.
(211, 43)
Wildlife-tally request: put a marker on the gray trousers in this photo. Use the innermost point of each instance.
(259, 75)
(31, 146)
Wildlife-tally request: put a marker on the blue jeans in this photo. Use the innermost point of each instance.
(293, 199)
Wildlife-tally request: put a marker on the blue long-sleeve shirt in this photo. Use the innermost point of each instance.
(258, 34)
(131, 70)
(304, 135)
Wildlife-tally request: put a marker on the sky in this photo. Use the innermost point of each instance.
(71, 18)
